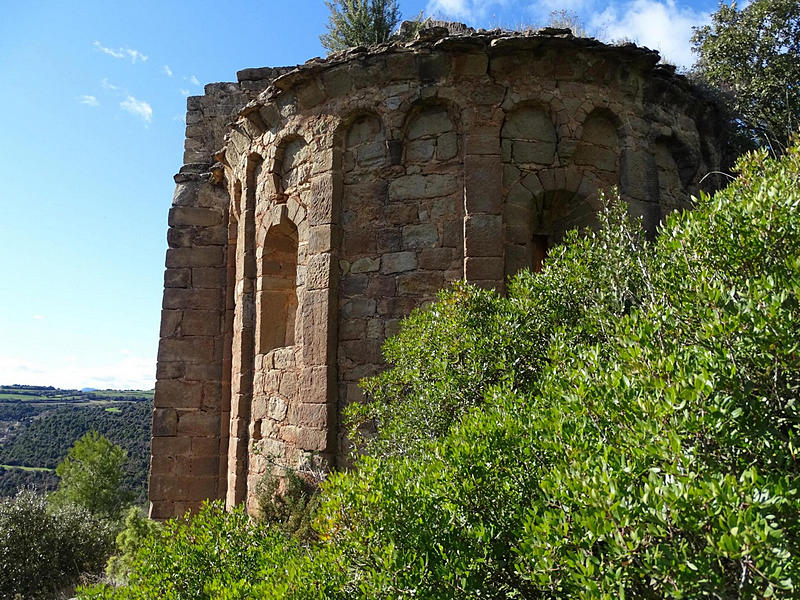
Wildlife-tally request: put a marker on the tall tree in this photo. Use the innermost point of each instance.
(359, 23)
(91, 475)
(752, 56)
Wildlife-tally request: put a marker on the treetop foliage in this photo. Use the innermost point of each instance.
(359, 23)
(753, 56)
(91, 476)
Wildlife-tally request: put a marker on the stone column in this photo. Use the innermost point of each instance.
(186, 414)
(483, 199)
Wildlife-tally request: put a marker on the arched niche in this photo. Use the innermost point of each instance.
(599, 145)
(293, 163)
(364, 143)
(528, 138)
(537, 217)
(278, 287)
(676, 166)
(431, 135)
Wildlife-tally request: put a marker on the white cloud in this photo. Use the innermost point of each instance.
(127, 372)
(179, 118)
(194, 80)
(657, 24)
(133, 55)
(140, 108)
(106, 85)
(472, 12)
(185, 92)
(38, 317)
(88, 100)
(167, 71)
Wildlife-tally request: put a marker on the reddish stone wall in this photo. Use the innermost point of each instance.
(350, 190)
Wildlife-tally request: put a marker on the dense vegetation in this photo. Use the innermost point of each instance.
(44, 549)
(751, 55)
(63, 416)
(623, 424)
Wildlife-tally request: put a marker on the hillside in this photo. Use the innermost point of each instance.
(38, 425)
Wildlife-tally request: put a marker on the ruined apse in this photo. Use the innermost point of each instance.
(318, 205)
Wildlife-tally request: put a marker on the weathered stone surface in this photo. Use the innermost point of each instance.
(348, 192)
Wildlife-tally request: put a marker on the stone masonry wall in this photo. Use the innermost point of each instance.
(319, 205)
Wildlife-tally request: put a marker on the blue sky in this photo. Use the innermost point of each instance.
(91, 119)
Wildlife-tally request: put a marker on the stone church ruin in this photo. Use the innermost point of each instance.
(318, 205)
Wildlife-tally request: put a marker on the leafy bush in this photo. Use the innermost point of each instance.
(43, 551)
(137, 529)
(219, 555)
(624, 424)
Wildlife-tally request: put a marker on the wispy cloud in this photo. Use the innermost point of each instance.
(88, 101)
(167, 71)
(185, 92)
(659, 24)
(193, 80)
(472, 12)
(106, 85)
(38, 317)
(126, 372)
(132, 54)
(140, 108)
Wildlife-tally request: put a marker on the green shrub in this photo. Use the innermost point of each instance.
(292, 509)
(624, 424)
(137, 529)
(215, 554)
(43, 550)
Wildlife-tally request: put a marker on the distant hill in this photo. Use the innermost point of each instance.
(38, 425)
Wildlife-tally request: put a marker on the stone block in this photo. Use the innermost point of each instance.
(424, 235)
(174, 393)
(365, 265)
(205, 446)
(199, 299)
(416, 187)
(165, 421)
(277, 408)
(358, 307)
(170, 446)
(483, 188)
(398, 262)
(484, 235)
(484, 267)
(437, 259)
(388, 240)
(198, 423)
(177, 278)
(318, 272)
(209, 277)
(352, 329)
(381, 287)
(312, 415)
(203, 256)
(321, 206)
(170, 370)
(171, 323)
(201, 322)
(312, 439)
(421, 283)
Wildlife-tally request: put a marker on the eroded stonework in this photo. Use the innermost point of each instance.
(319, 205)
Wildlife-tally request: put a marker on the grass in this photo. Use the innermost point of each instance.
(21, 468)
